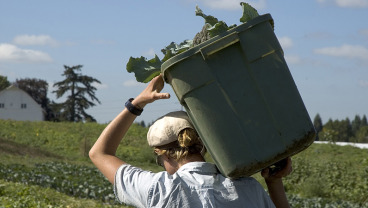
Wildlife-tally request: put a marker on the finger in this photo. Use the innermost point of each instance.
(265, 172)
(162, 96)
(289, 166)
(158, 77)
(158, 84)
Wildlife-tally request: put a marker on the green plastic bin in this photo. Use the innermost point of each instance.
(242, 99)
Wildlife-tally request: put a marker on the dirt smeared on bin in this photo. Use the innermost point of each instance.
(305, 141)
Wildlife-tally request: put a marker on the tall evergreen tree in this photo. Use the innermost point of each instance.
(348, 128)
(355, 124)
(364, 121)
(317, 122)
(78, 86)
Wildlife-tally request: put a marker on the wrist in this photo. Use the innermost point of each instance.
(133, 107)
(137, 103)
(273, 181)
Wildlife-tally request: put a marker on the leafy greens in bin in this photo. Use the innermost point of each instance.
(145, 70)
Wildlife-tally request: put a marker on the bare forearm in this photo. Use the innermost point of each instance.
(103, 151)
(111, 137)
(277, 193)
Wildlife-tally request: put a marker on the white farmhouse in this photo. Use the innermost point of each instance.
(16, 104)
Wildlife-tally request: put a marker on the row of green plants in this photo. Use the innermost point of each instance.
(18, 195)
(330, 173)
(317, 202)
(324, 175)
(335, 181)
(73, 180)
(304, 190)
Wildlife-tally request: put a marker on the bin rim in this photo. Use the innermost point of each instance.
(179, 57)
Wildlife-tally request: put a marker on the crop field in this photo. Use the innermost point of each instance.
(44, 164)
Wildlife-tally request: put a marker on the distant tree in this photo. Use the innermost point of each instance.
(317, 122)
(341, 130)
(364, 121)
(143, 124)
(328, 135)
(149, 124)
(78, 86)
(356, 123)
(37, 89)
(4, 83)
(347, 125)
(362, 135)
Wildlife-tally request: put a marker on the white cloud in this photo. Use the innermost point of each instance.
(286, 42)
(347, 51)
(347, 3)
(132, 83)
(363, 83)
(149, 53)
(352, 3)
(34, 40)
(364, 33)
(292, 59)
(12, 53)
(100, 86)
(232, 4)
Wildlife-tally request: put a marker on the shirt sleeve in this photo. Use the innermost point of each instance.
(132, 184)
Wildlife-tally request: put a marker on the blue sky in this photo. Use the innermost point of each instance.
(325, 44)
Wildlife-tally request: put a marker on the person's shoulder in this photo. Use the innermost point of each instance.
(130, 170)
(129, 174)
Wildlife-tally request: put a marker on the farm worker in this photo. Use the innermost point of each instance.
(188, 181)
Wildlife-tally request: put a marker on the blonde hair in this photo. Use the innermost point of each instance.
(188, 143)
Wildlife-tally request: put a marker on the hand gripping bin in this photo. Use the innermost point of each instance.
(242, 99)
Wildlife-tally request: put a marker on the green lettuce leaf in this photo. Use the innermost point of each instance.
(217, 29)
(208, 18)
(214, 26)
(174, 49)
(144, 70)
(248, 12)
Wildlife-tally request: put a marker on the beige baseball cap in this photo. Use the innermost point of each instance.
(167, 128)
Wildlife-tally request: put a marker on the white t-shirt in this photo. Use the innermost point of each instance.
(195, 184)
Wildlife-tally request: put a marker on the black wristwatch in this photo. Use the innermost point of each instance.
(131, 108)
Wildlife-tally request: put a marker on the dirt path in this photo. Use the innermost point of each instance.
(13, 148)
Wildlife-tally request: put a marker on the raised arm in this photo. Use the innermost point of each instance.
(275, 185)
(103, 151)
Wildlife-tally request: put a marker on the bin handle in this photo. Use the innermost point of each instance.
(219, 45)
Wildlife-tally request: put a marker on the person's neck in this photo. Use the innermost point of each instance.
(191, 158)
